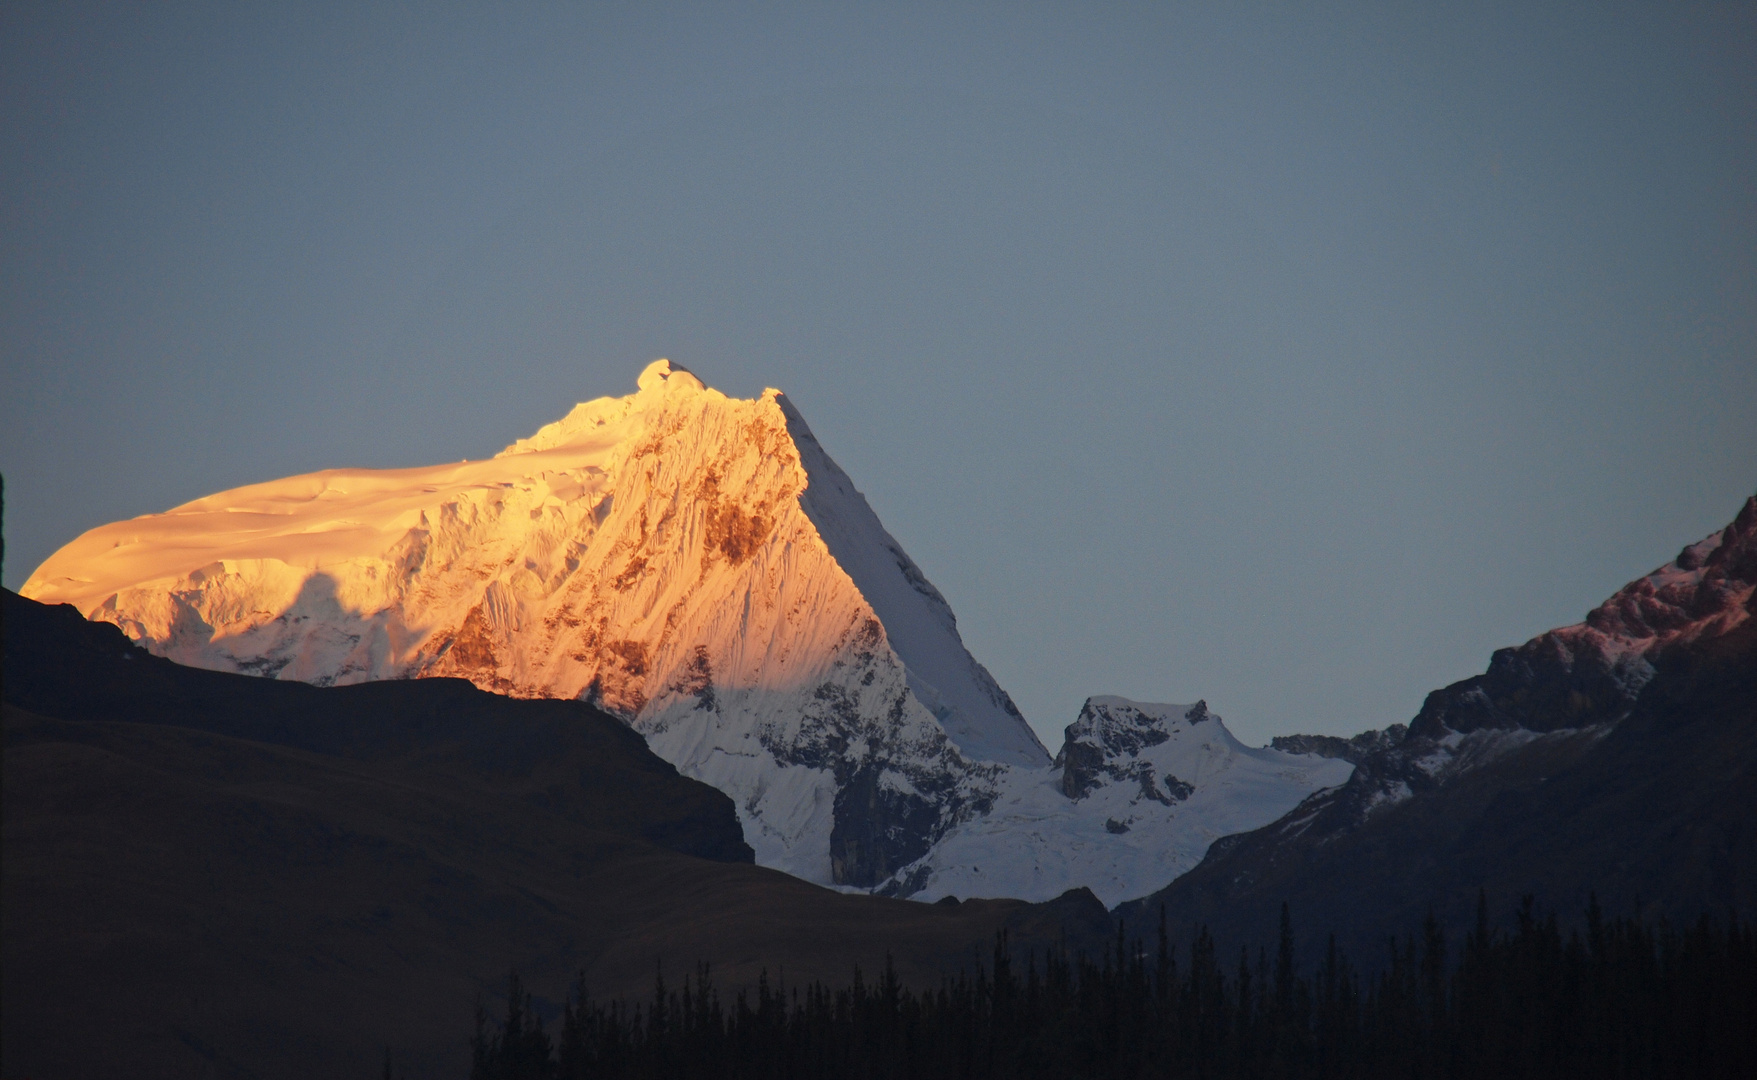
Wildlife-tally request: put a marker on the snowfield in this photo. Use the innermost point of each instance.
(1170, 781)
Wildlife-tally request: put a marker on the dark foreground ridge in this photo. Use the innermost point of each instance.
(1610, 1000)
(216, 875)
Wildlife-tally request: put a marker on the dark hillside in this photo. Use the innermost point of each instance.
(564, 757)
(210, 874)
(1659, 808)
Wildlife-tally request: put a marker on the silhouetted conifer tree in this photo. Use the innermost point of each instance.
(1626, 999)
(520, 1050)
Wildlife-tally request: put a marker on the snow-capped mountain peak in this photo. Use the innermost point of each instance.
(1109, 741)
(692, 562)
(698, 565)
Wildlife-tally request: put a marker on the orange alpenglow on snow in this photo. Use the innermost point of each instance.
(691, 562)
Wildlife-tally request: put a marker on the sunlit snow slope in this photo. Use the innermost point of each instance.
(693, 562)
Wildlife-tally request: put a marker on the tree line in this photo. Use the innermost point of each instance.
(1610, 999)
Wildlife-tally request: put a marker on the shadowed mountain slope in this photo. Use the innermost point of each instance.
(212, 874)
(1618, 756)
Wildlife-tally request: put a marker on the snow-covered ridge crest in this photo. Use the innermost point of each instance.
(1135, 797)
(692, 562)
(586, 421)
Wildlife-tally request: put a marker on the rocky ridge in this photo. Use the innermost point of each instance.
(1613, 753)
(1580, 678)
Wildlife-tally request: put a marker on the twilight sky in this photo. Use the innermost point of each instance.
(1295, 361)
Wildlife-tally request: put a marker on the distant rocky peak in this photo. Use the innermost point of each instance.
(1105, 741)
(1587, 676)
(1591, 672)
(1703, 592)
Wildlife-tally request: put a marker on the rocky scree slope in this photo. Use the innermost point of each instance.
(691, 563)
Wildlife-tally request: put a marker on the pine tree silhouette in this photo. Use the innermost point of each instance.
(1622, 999)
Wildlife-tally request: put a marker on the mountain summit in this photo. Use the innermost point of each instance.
(693, 563)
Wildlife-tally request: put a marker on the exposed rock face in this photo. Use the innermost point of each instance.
(689, 562)
(884, 822)
(1106, 741)
(1353, 750)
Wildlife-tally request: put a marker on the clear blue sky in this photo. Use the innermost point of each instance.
(1290, 359)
